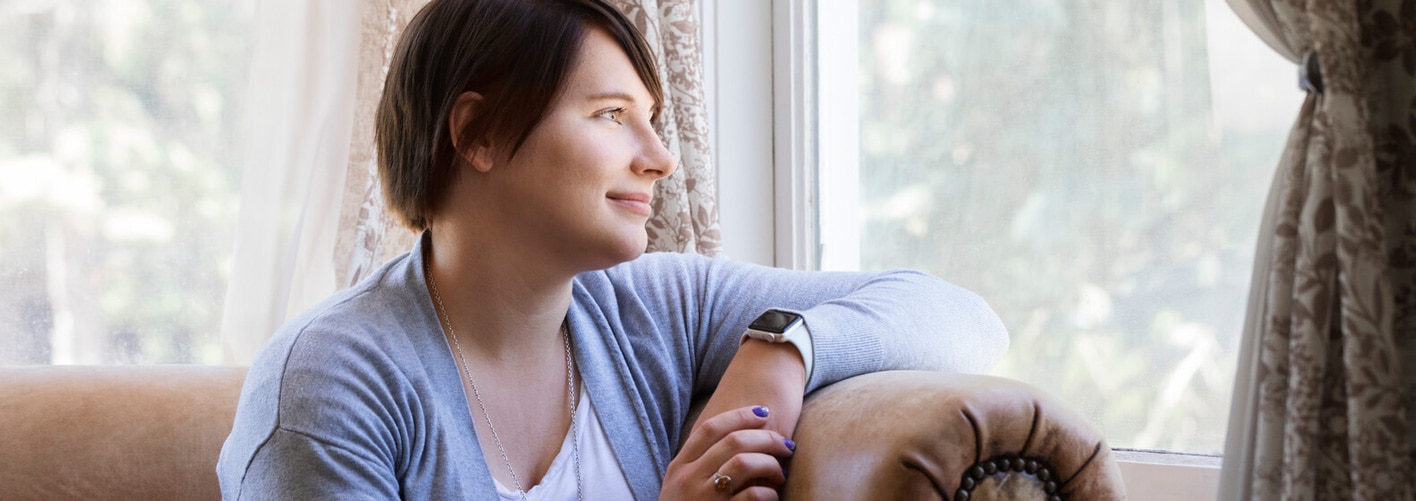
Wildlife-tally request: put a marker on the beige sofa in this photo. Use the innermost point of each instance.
(154, 433)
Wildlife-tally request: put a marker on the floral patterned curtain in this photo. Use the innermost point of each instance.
(1321, 405)
(368, 235)
(685, 205)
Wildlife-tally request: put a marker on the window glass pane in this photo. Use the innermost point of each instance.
(119, 197)
(1095, 170)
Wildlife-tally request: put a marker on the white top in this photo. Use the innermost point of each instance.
(599, 470)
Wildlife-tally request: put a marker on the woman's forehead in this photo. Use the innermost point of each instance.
(603, 70)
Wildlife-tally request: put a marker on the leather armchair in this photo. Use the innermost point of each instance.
(154, 433)
(924, 435)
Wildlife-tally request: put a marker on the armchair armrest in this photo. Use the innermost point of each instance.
(925, 435)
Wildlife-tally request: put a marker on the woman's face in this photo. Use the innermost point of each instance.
(581, 184)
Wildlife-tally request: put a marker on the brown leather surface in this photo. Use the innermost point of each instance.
(912, 435)
(119, 432)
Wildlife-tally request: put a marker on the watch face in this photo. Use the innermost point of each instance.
(776, 321)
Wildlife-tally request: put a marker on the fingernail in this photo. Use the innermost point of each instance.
(790, 444)
(784, 472)
(760, 411)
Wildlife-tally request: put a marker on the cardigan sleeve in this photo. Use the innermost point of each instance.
(322, 415)
(859, 322)
(293, 465)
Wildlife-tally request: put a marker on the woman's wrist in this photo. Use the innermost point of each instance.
(774, 362)
(783, 326)
(763, 373)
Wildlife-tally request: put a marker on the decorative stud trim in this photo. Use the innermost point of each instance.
(1037, 468)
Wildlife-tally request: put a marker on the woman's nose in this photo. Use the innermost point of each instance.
(654, 159)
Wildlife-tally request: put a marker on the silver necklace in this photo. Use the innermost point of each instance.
(570, 391)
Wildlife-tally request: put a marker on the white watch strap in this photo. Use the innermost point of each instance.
(802, 342)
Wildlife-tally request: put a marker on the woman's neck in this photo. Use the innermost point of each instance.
(497, 299)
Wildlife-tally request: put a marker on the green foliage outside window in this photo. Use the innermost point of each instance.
(1066, 161)
(119, 159)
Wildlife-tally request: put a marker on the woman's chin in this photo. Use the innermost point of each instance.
(622, 249)
(634, 246)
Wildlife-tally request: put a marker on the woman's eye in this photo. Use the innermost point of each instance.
(612, 114)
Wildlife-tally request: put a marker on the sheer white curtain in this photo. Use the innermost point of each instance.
(297, 140)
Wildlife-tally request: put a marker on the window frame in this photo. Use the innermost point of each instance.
(762, 112)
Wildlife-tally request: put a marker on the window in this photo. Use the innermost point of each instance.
(120, 180)
(1095, 170)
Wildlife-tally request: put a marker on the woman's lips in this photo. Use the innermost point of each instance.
(637, 203)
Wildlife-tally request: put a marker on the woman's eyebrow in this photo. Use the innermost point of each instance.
(612, 95)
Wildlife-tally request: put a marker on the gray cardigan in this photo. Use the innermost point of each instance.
(359, 397)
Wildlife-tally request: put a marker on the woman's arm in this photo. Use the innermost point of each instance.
(858, 323)
(308, 426)
(772, 375)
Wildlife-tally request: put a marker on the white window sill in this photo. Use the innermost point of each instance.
(1165, 476)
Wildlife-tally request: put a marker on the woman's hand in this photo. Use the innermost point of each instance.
(729, 455)
(745, 444)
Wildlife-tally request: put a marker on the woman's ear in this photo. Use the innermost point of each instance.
(464, 110)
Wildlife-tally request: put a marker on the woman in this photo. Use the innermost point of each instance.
(524, 348)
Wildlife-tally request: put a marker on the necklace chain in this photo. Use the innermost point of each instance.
(467, 372)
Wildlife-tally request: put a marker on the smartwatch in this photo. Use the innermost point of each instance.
(779, 326)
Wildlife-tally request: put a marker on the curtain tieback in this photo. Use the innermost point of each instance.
(1310, 74)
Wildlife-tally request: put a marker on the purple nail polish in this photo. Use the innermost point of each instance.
(760, 411)
(790, 444)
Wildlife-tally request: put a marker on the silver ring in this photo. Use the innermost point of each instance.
(722, 482)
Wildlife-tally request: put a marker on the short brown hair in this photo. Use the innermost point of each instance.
(515, 53)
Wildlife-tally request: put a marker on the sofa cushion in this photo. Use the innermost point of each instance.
(119, 432)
